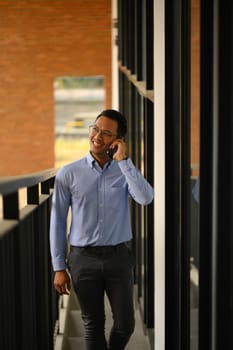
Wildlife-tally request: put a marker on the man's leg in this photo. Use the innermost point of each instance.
(88, 284)
(119, 289)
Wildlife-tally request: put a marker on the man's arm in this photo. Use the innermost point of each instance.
(60, 206)
(139, 188)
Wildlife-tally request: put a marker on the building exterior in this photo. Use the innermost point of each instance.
(168, 68)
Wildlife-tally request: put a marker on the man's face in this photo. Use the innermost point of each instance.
(103, 134)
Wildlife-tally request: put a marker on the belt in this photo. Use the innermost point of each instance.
(101, 249)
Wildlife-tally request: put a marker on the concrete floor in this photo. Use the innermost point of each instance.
(71, 332)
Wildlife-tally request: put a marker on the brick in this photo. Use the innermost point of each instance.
(41, 40)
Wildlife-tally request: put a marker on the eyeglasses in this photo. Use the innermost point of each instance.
(94, 130)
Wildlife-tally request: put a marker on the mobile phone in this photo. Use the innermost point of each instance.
(111, 152)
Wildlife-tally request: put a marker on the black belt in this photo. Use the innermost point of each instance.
(101, 249)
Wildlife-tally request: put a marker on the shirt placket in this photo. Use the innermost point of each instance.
(101, 205)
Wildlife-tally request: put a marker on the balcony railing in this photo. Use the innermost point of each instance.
(28, 302)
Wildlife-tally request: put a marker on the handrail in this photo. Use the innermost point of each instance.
(11, 184)
(29, 303)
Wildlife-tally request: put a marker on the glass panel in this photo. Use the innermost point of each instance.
(1, 208)
(195, 144)
(142, 165)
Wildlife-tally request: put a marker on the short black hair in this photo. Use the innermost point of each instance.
(115, 115)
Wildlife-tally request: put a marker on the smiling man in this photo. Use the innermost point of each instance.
(105, 135)
(100, 261)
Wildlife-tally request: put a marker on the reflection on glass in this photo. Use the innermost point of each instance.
(195, 151)
(194, 264)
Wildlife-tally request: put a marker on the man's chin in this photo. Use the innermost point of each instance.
(98, 152)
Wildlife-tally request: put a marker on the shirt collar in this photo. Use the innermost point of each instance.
(91, 160)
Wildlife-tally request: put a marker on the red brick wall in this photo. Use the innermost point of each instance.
(41, 40)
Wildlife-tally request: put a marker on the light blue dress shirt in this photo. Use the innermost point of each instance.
(99, 204)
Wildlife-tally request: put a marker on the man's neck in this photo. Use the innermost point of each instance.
(101, 160)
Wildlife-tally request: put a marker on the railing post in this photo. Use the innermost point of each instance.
(45, 187)
(11, 206)
(33, 194)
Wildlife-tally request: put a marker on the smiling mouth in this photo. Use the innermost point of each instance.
(97, 144)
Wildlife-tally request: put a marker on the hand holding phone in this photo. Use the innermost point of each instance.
(111, 152)
(117, 150)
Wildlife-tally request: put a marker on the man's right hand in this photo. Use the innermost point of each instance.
(62, 282)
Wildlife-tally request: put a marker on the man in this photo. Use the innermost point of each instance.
(97, 189)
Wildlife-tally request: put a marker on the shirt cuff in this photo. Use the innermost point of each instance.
(126, 164)
(59, 265)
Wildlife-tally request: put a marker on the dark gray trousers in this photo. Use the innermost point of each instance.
(94, 272)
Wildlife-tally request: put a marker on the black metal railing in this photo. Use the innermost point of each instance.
(28, 302)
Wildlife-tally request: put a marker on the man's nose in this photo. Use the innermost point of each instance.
(99, 134)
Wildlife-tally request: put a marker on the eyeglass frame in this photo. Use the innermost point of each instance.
(107, 133)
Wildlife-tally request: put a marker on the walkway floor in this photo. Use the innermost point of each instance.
(72, 332)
